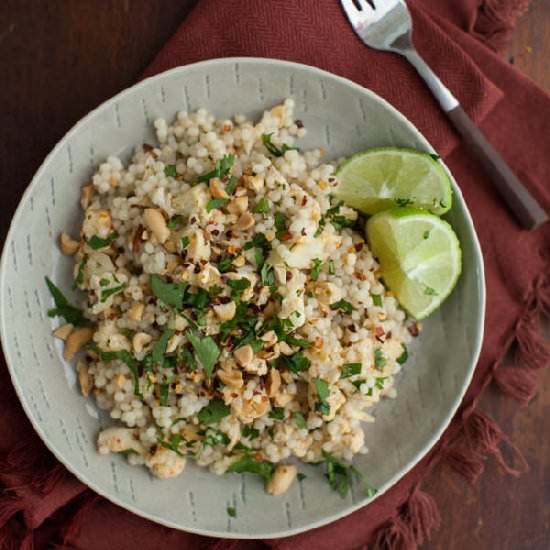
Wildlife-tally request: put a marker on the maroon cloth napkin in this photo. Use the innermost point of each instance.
(43, 505)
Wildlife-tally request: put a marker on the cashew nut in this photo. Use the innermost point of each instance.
(225, 312)
(156, 223)
(68, 246)
(281, 480)
(135, 313)
(238, 205)
(140, 340)
(216, 189)
(273, 382)
(244, 355)
(86, 194)
(63, 331)
(76, 339)
(232, 378)
(83, 378)
(245, 221)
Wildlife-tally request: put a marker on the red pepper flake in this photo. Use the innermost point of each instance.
(360, 276)
(286, 237)
(148, 148)
(303, 232)
(379, 333)
(258, 457)
(215, 232)
(136, 239)
(358, 246)
(304, 200)
(288, 276)
(299, 123)
(414, 329)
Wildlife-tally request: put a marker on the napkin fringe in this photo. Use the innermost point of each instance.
(71, 530)
(412, 525)
(9, 506)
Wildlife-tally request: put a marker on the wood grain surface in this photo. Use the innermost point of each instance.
(61, 58)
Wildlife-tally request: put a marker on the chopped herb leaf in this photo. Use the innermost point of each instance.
(331, 267)
(124, 356)
(198, 300)
(296, 362)
(225, 264)
(103, 282)
(273, 149)
(206, 351)
(280, 224)
(379, 359)
(351, 369)
(79, 279)
(434, 156)
(184, 241)
(426, 234)
(249, 432)
(170, 293)
(344, 305)
(379, 383)
(170, 170)
(300, 420)
(232, 511)
(160, 347)
(163, 394)
(247, 463)
(109, 292)
(96, 243)
(369, 490)
(215, 290)
(377, 300)
(221, 169)
(213, 412)
(216, 203)
(185, 356)
(429, 291)
(323, 392)
(277, 413)
(230, 185)
(301, 476)
(63, 308)
(215, 437)
(238, 286)
(174, 222)
(173, 444)
(262, 207)
(267, 275)
(316, 266)
(404, 356)
(340, 476)
(300, 342)
(338, 221)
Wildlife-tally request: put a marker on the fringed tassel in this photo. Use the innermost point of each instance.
(533, 350)
(44, 482)
(28, 542)
(413, 524)
(9, 506)
(480, 438)
(515, 382)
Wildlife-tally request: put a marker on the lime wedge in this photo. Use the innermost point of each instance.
(386, 177)
(419, 255)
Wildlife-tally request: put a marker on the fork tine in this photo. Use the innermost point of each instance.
(366, 4)
(349, 7)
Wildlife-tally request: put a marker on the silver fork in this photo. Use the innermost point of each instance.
(387, 25)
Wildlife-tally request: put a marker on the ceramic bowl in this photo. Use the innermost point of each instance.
(343, 118)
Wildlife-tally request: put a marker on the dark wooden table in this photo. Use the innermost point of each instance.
(61, 58)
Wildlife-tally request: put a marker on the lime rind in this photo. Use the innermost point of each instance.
(384, 177)
(420, 257)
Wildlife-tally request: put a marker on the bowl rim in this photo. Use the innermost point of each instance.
(476, 250)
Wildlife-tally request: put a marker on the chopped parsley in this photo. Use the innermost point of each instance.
(316, 266)
(213, 412)
(79, 279)
(404, 355)
(377, 300)
(340, 476)
(225, 264)
(105, 294)
(230, 186)
(426, 234)
(280, 225)
(173, 444)
(238, 286)
(296, 363)
(351, 369)
(247, 463)
(163, 394)
(249, 432)
(171, 294)
(273, 149)
(63, 308)
(96, 243)
(343, 305)
(232, 511)
(160, 347)
(185, 356)
(331, 267)
(300, 342)
(323, 392)
(216, 203)
(300, 476)
(277, 413)
(215, 437)
(221, 169)
(379, 359)
(262, 207)
(124, 356)
(429, 291)
(206, 351)
(261, 247)
(337, 220)
(170, 170)
(300, 420)
(184, 241)
(174, 222)
(267, 275)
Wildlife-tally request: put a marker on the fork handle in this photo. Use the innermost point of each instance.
(521, 203)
